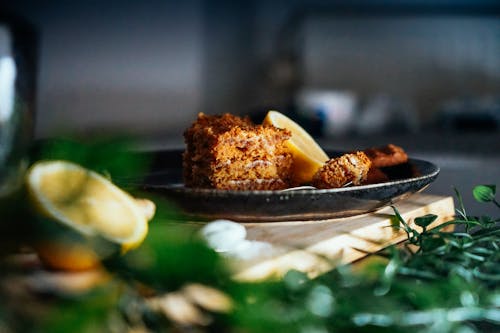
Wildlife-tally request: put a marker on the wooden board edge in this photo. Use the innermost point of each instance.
(315, 260)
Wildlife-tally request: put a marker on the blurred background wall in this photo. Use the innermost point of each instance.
(148, 67)
(126, 65)
(423, 74)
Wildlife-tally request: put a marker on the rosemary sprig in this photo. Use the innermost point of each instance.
(473, 254)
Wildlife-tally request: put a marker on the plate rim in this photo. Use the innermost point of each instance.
(202, 204)
(209, 191)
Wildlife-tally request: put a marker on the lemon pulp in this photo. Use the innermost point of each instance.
(308, 156)
(86, 202)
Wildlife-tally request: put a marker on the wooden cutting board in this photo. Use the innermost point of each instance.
(315, 247)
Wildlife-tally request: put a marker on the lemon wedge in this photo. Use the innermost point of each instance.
(308, 156)
(87, 203)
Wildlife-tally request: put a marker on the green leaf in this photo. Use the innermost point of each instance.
(432, 243)
(461, 210)
(424, 221)
(484, 193)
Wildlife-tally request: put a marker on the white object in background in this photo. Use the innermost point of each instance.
(7, 94)
(223, 235)
(337, 109)
(7, 77)
(248, 249)
(229, 238)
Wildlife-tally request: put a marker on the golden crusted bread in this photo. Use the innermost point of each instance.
(337, 172)
(231, 153)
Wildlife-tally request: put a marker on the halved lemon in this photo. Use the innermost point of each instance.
(307, 154)
(87, 203)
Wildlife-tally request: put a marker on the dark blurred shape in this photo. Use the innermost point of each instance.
(470, 114)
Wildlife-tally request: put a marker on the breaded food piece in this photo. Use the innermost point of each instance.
(231, 153)
(339, 171)
(386, 156)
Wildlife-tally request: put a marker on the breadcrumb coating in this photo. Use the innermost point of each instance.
(342, 170)
(231, 153)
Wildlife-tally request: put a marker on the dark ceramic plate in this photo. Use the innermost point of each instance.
(297, 205)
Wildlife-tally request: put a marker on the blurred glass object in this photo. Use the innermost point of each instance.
(17, 85)
(384, 113)
(336, 109)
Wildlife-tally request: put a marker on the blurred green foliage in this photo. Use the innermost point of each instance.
(442, 281)
(114, 157)
(168, 255)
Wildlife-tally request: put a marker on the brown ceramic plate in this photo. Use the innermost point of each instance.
(297, 205)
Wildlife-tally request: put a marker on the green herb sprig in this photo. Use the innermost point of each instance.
(471, 254)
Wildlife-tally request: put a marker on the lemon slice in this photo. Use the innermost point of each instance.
(87, 203)
(308, 156)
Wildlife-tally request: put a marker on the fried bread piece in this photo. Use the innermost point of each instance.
(231, 153)
(339, 171)
(386, 156)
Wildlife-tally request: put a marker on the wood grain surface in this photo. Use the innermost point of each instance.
(315, 247)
